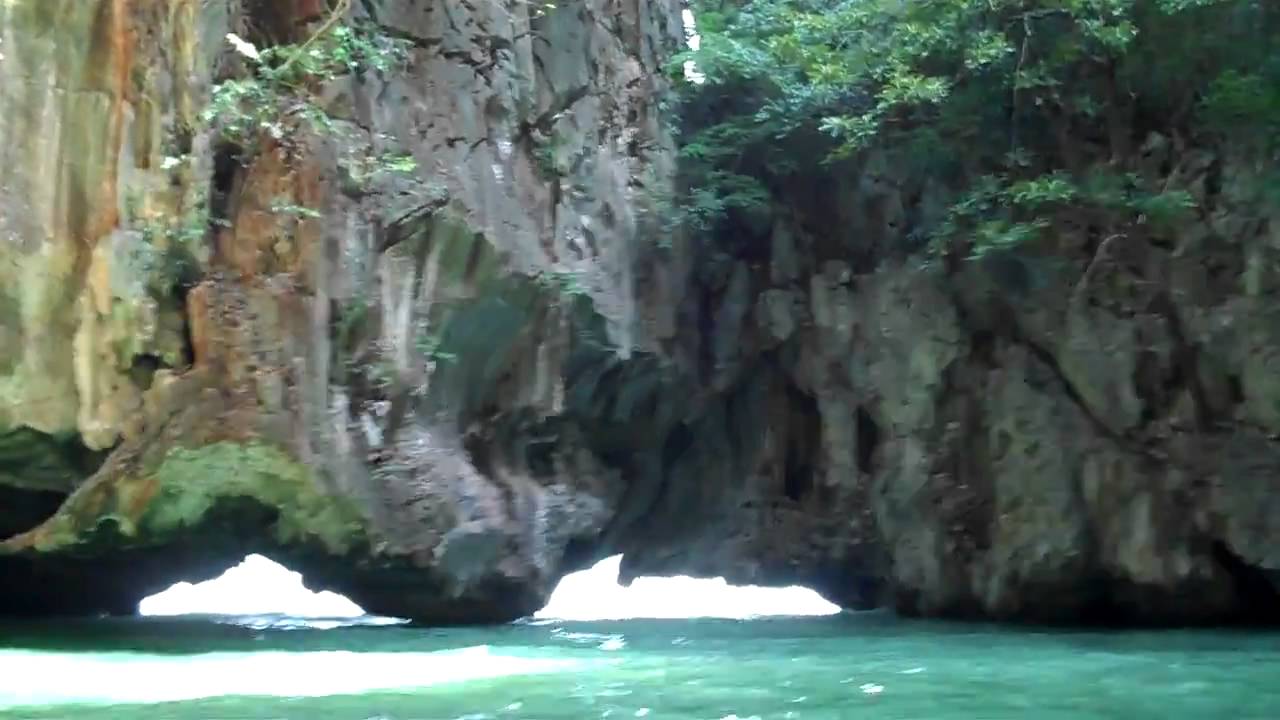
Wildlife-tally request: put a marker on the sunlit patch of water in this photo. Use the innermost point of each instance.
(285, 622)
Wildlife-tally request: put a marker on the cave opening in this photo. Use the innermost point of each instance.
(1257, 589)
(598, 594)
(38, 471)
(804, 442)
(24, 509)
(257, 586)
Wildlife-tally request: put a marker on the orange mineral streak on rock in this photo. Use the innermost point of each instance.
(308, 334)
(86, 88)
(134, 497)
(105, 73)
(274, 228)
(197, 324)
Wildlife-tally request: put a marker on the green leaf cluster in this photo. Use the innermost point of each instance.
(1012, 104)
(277, 92)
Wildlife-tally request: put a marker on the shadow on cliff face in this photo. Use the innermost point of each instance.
(37, 472)
(24, 509)
(1258, 589)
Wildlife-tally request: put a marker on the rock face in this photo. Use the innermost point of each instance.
(434, 350)
(1081, 432)
(346, 342)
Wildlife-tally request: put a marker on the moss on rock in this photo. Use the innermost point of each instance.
(190, 482)
(187, 485)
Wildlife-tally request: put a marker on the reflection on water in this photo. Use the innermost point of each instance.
(275, 621)
(853, 666)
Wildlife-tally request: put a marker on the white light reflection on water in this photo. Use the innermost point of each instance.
(287, 622)
(43, 678)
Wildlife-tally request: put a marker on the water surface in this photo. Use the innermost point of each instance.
(854, 666)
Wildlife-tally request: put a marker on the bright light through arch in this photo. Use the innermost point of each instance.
(257, 586)
(694, 40)
(595, 594)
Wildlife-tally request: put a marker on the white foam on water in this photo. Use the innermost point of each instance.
(44, 678)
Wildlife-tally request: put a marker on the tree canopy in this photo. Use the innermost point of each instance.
(1020, 106)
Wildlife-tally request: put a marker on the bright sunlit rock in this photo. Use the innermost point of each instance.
(256, 586)
(595, 594)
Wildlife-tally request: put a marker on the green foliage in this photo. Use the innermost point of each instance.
(1000, 90)
(1000, 212)
(285, 207)
(166, 256)
(429, 345)
(349, 320)
(1246, 105)
(361, 171)
(564, 282)
(277, 93)
(540, 8)
(398, 164)
(546, 151)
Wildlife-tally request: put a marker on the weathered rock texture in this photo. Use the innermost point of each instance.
(374, 388)
(438, 391)
(1083, 430)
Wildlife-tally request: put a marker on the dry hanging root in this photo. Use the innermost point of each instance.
(335, 15)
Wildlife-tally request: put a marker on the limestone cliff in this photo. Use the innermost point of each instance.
(1083, 431)
(416, 332)
(348, 336)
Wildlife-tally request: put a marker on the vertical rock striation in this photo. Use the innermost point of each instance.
(1079, 432)
(215, 345)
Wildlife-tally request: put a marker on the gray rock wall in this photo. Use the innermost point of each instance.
(1078, 431)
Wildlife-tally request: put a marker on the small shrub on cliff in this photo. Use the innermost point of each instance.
(277, 95)
(166, 258)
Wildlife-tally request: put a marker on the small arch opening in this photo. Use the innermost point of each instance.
(256, 586)
(596, 594)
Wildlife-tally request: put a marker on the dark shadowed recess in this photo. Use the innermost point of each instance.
(106, 575)
(37, 472)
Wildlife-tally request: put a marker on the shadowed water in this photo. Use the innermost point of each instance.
(852, 666)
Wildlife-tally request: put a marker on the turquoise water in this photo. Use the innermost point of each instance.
(855, 666)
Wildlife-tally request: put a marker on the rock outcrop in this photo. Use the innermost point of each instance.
(420, 335)
(344, 337)
(1083, 431)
